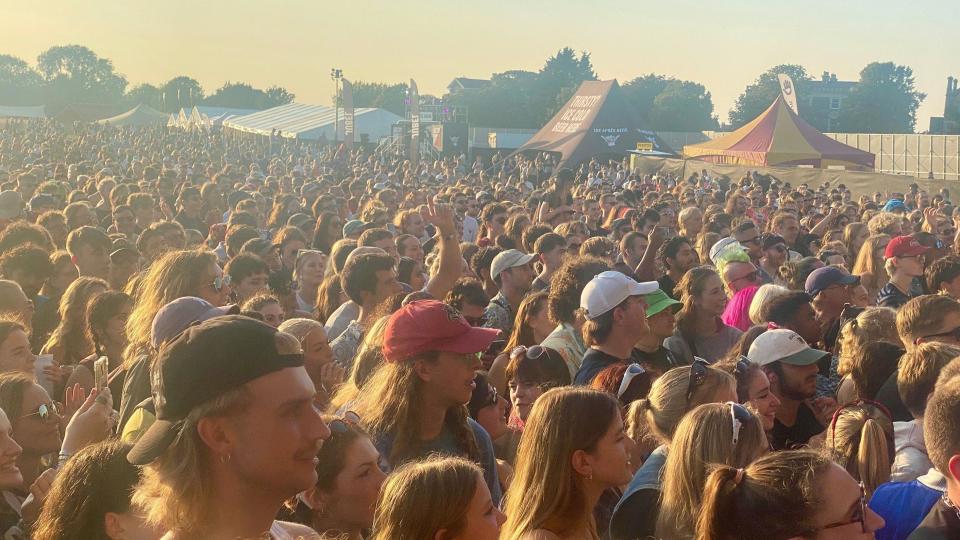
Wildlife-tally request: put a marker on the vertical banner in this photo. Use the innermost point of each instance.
(347, 94)
(414, 97)
(789, 91)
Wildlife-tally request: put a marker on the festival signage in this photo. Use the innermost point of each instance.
(414, 97)
(789, 91)
(347, 114)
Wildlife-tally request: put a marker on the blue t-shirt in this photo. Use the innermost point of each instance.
(446, 444)
(902, 505)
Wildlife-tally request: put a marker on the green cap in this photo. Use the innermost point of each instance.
(658, 301)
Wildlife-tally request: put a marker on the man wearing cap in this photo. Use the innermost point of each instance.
(413, 406)
(649, 351)
(615, 312)
(831, 287)
(237, 432)
(512, 272)
(791, 366)
(904, 266)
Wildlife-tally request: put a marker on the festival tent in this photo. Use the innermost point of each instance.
(204, 116)
(11, 111)
(313, 122)
(780, 137)
(596, 121)
(141, 115)
(85, 112)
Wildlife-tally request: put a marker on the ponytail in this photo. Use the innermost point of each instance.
(717, 507)
(873, 456)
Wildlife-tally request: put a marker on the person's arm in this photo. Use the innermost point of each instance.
(451, 260)
(821, 228)
(646, 269)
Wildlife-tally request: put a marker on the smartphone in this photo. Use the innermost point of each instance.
(101, 370)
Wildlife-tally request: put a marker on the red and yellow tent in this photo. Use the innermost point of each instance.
(779, 137)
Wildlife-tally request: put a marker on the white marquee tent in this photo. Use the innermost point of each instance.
(11, 111)
(311, 122)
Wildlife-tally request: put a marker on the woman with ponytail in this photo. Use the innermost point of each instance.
(860, 439)
(671, 396)
(785, 495)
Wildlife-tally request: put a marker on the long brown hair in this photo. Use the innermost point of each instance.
(522, 333)
(546, 492)
(691, 286)
(70, 336)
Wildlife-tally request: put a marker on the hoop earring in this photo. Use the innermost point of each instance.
(225, 458)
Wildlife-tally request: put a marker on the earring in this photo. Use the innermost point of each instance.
(225, 458)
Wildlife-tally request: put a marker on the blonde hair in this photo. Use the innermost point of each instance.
(176, 274)
(546, 492)
(765, 294)
(873, 324)
(299, 328)
(704, 437)
(367, 361)
(883, 222)
(919, 369)
(666, 403)
(870, 267)
(69, 340)
(922, 316)
(860, 439)
(423, 497)
(175, 491)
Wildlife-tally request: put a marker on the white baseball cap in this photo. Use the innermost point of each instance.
(722, 246)
(609, 289)
(508, 259)
(785, 346)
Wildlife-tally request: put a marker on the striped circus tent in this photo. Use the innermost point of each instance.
(779, 137)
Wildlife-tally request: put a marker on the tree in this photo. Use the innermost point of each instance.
(74, 73)
(682, 106)
(20, 84)
(245, 96)
(884, 100)
(180, 92)
(642, 92)
(507, 102)
(147, 94)
(558, 80)
(391, 97)
(761, 93)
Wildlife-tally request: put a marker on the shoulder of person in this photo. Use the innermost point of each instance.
(539, 534)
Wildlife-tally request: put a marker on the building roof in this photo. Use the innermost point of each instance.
(468, 84)
(300, 121)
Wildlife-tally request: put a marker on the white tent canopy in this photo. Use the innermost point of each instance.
(203, 116)
(311, 122)
(11, 111)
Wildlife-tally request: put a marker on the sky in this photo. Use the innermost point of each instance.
(723, 45)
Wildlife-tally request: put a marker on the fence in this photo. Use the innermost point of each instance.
(935, 157)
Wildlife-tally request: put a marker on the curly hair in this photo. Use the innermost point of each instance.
(567, 285)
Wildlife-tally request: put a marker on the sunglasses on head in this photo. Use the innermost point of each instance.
(492, 397)
(740, 416)
(633, 371)
(46, 412)
(532, 353)
(342, 424)
(698, 374)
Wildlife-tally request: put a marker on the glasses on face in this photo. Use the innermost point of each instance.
(752, 276)
(754, 240)
(476, 321)
(859, 515)
(698, 374)
(953, 334)
(220, 282)
(46, 412)
(342, 424)
(740, 416)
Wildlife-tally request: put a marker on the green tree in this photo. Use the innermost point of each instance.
(380, 95)
(147, 94)
(682, 106)
(761, 93)
(642, 92)
(74, 73)
(558, 80)
(237, 95)
(278, 95)
(884, 100)
(507, 102)
(20, 84)
(181, 93)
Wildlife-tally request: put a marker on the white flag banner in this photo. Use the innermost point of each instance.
(789, 91)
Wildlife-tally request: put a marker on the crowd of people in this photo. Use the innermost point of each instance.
(216, 337)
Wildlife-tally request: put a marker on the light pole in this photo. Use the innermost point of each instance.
(335, 75)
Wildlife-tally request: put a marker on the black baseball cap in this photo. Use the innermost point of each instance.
(205, 362)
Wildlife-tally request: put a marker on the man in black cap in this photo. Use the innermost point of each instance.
(237, 432)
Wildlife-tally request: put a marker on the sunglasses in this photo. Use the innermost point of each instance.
(698, 374)
(752, 276)
(46, 412)
(740, 416)
(342, 424)
(302, 252)
(492, 397)
(633, 370)
(859, 516)
(220, 282)
(532, 353)
(955, 334)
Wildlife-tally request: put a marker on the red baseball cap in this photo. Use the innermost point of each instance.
(904, 246)
(429, 325)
